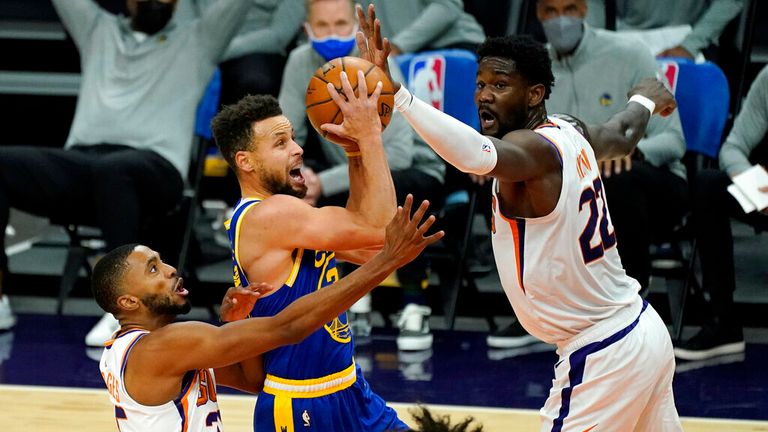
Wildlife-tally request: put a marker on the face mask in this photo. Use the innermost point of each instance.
(564, 32)
(152, 16)
(332, 46)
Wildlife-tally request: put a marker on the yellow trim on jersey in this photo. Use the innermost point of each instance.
(283, 414)
(296, 265)
(310, 388)
(237, 230)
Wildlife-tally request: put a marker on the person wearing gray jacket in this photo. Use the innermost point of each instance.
(416, 169)
(130, 142)
(713, 208)
(593, 70)
(421, 25)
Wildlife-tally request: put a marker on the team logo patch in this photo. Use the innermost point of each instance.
(427, 79)
(606, 99)
(670, 70)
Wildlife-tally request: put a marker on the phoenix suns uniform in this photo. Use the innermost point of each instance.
(194, 410)
(563, 276)
(313, 385)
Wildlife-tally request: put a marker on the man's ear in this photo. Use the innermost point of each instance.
(536, 95)
(128, 302)
(244, 161)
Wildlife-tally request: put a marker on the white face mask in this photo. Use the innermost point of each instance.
(564, 32)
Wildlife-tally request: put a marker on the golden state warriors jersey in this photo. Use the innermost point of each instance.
(313, 385)
(327, 350)
(562, 272)
(194, 410)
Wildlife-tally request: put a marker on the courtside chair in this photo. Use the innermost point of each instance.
(81, 236)
(702, 95)
(446, 80)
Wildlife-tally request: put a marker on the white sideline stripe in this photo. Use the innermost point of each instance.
(52, 389)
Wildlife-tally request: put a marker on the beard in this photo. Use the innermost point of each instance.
(277, 186)
(163, 305)
(514, 119)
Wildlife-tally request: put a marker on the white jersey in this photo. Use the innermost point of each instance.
(562, 272)
(194, 410)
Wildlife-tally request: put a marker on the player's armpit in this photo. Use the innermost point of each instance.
(286, 222)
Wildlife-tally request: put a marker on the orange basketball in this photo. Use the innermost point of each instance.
(322, 109)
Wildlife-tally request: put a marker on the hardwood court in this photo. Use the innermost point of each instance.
(61, 409)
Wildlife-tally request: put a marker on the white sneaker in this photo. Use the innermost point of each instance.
(102, 331)
(7, 319)
(414, 328)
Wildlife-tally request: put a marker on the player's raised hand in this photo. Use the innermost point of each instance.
(406, 236)
(657, 92)
(361, 117)
(371, 45)
(239, 301)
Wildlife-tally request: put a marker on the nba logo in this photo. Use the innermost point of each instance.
(427, 79)
(670, 71)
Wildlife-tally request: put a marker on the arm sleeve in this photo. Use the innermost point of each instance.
(220, 23)
(457, 143)
(283, 27)
(749, 128)
(432, 22)
(79, 18)
(711, 24)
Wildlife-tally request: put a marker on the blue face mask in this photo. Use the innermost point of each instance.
(332, 46)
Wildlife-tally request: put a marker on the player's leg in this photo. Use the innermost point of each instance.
(660, 413)
(608, 382)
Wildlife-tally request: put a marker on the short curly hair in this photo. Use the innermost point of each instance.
(107, 278)
(233, 126)
(531, 58)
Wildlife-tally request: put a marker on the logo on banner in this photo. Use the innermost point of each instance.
(427, 79)
(671, 71)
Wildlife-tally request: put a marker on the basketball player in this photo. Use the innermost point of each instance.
(162, 376)
(279, 239)
(553, 241)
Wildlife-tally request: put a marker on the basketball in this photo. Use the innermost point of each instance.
(322, 109)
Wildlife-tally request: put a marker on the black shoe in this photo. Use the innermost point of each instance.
(709, 342)
(511, 336)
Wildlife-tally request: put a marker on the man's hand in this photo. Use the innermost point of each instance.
(615, 166)
(371, 45)
(657, 92)
(405, 238)
(314, 188)
(480, 179)
(239, 301)
(361, 117)
(676, 51)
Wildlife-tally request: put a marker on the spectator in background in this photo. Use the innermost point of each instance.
(416, 169)
(593, 70)
(421, 25)
(254, 60)
(129, 146)
(707, 19)
(713, 208)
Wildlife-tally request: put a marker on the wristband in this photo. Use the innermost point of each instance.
(353, 154)
(644, 101)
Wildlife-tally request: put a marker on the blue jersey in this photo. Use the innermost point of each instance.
(313, 384)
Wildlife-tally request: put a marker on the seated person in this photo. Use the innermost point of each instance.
(414, 26)
(254, 60)
(704, 22)
(416, 169)
(648, 190)
(129, 146)
(713, 208)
